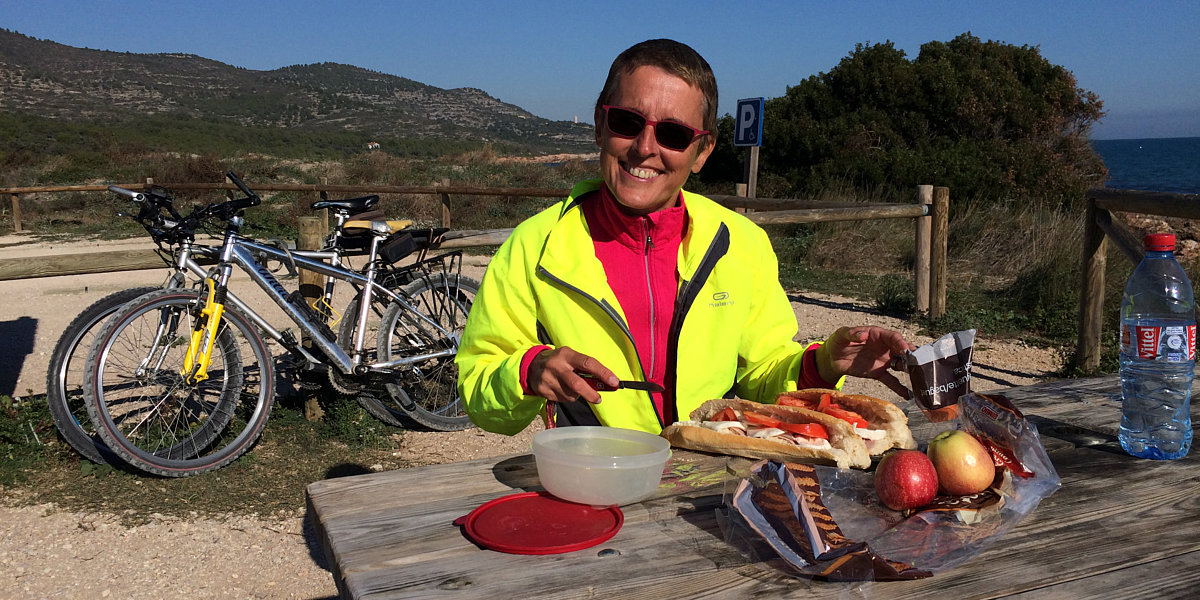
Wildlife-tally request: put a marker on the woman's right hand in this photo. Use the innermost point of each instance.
(554, 375)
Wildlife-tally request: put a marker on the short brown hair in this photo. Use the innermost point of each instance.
(674, 57)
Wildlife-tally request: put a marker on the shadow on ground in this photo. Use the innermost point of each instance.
(847, 306)
(18, 336)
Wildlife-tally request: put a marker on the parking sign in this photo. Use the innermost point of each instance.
(748, 122)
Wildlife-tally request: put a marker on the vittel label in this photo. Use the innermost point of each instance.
(1167, 344)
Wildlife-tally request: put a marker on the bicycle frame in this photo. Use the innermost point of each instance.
(241, 251)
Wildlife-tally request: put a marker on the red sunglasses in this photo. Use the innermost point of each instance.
(628, 123)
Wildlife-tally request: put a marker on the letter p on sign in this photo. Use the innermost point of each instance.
(748, 122)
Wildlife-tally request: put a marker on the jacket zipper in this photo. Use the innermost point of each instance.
(649, 293)
(717, 248)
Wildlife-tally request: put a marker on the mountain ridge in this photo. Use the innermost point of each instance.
(52, 80)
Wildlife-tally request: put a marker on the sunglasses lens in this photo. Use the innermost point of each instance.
(625, 122)
(673, 135)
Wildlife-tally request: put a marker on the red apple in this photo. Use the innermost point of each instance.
(964, 466)
(905, 479)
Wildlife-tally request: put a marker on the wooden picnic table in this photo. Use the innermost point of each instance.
(1119, 527)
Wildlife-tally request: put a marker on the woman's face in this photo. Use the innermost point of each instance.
(642, 175)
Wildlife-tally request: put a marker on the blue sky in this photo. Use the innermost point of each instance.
(550, 57)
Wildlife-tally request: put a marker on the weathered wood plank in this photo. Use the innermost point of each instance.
(821, 215)
(1175, 577)
(1185, 206)
(1091, 293)
(939, 261)
(923, 232)
(54, 265)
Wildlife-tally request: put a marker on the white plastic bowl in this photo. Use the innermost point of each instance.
(600, 466)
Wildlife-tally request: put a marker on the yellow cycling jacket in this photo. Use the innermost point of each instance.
(733, 328)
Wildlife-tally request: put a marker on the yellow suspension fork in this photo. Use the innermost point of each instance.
(204, 335)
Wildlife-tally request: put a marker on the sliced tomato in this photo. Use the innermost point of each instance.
(824, 403)
(760, 419)
(846, 415)
(812, 430)
(800, 402)
(726, 414)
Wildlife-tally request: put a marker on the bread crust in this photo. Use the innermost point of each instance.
(848, 449)
(880, 414)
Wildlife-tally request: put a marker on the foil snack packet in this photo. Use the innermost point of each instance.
(940, 374)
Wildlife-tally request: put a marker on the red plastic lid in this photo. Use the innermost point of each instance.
(1159, 242)
(538, 523)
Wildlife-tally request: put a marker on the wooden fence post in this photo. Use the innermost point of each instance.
(16, 209)
(938, 251)
(1091, 290)
(445, 204)
(741, 189)
(312, 231)
(751, 176)
(921, 258)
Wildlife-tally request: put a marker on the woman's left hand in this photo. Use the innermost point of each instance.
(863, 352)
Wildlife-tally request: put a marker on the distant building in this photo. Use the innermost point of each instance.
(372, 145)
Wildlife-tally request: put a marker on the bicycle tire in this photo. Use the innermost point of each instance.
(64, 377)
(427, 391)
(151, 418)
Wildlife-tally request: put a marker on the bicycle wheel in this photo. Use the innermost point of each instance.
(144, 410)
(427, 390)
(64, 378)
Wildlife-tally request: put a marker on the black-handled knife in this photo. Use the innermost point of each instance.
(600, 386)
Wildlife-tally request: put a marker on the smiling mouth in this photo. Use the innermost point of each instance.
(641, 173)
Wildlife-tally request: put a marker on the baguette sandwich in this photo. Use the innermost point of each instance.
(881, 424)
(767, 431)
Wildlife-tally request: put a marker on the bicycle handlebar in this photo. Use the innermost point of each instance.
(135, 196)
(251, 198)
(177, 228)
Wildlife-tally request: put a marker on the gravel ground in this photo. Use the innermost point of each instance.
(48, 553)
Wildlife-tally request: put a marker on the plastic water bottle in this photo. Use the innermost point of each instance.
(1158, 352)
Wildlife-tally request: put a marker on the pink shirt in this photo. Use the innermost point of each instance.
(639, 254)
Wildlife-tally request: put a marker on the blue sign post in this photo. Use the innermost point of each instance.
(748, 122)
(747, 131)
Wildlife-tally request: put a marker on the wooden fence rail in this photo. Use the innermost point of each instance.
(930, 212)
(1099, 228)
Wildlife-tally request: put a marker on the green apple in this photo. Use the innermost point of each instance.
(964, 466)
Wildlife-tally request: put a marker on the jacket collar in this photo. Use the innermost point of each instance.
(569, 254)
(611, 223)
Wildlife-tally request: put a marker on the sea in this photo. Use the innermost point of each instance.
(1155, 164)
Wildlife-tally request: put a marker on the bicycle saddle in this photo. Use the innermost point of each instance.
(350, 204)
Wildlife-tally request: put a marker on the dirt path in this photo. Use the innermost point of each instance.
(45, 553)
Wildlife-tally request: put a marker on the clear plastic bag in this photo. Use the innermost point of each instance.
(827, 523)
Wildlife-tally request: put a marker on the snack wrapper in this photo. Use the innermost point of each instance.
(940, 373)
(826, 523)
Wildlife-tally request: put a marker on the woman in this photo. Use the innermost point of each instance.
(631, 277)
